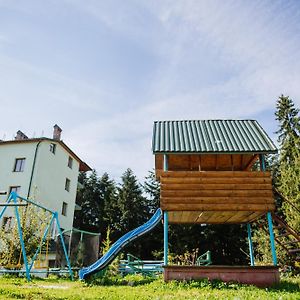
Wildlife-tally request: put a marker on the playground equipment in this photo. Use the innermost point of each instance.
(16, 201)
(109, 256)
(206, 175)
(82, 247)
(204, 259)
(134, 265)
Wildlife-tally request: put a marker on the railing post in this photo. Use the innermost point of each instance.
(272, 239)
(166, 162)
(166, 250)
(251, 252)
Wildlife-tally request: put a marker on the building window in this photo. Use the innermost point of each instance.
(67, 184)
(52, 148)
(70, 162)
(15, 189)
(64, 208)
(19, 165)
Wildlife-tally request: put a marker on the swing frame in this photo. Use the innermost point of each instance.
(13, 199)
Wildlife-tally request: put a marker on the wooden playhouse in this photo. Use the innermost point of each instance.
(206, 173)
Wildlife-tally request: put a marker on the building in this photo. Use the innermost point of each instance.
(42, 169)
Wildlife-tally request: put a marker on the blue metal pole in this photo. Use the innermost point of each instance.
(41, 244)
(166, 162)
(166, 250)
(14, 197)
(63, 245)
(5, 207)
(272, 239)
(262, 162)
(250, 245)
(37, 204)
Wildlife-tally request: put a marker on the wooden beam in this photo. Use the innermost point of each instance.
(217, 193)
(251, 162)
(215, 174)
(218, 200)
(218, 207)
(219, 186)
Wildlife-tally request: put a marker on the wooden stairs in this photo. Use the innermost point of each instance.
(285, 236)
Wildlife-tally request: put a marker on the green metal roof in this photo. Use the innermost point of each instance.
(210, 136)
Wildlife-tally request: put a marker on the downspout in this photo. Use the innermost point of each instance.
(33, 166)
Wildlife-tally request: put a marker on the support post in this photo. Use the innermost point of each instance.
(251, 252)
(166, 162)
(63, 245)
(20, 230)
(272, 239)
(166, 250)
(262, 161)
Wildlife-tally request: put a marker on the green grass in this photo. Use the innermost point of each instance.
(137, 287)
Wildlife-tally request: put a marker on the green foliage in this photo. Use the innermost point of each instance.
(34, 222)
(138, 287)
(285, 170)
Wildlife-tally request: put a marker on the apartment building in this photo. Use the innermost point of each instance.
(42, 169)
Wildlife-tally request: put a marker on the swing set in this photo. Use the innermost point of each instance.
(16, 201)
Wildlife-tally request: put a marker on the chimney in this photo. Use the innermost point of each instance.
(21, 136)
(57, 132)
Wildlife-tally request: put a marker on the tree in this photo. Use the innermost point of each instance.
(152, 188)
(89, 199)
(288, 179)
(108, 195)
(289, 129)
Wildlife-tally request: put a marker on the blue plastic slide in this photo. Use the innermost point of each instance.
(114, 250)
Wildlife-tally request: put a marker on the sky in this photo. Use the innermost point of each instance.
(104, 71)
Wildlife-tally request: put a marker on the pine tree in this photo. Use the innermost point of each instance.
(108, 195)
(131, 202)
(288, 179)
(89, 199)
(152, 188)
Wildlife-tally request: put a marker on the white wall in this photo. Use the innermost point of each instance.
(50, 173)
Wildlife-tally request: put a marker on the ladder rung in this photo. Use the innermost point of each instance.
(294, 250)
(283, 235)
(291, 242)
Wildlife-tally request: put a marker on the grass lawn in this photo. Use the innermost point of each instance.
(137, 287)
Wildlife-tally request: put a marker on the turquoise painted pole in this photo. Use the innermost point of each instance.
(63, 244)
(14, 197)
(166, 162)
(166, 219)
(250, 245)
(262, 162)
(5, 207)
(166, 246)
(272, 239)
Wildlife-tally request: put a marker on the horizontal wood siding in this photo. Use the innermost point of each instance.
(217, 191)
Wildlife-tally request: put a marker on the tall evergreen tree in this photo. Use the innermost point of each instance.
(289, 129)
(88, 198)
(288, 179)
(131, 202)
(108, 195)
(152, 188)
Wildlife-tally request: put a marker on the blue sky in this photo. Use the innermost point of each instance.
(105, 70)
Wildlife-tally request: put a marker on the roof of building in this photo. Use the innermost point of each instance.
(82, 165)
(210, 136)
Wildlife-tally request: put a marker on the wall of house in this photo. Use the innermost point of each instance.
(49, 178)
(49, 181)
(8, 178)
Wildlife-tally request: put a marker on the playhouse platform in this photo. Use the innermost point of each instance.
(261, 276)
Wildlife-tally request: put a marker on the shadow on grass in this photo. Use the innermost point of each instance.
(286, 286)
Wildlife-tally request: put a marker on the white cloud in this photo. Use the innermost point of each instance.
(215, 59)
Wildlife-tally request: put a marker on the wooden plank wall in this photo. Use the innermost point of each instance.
(217, 191)
(206, 162)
